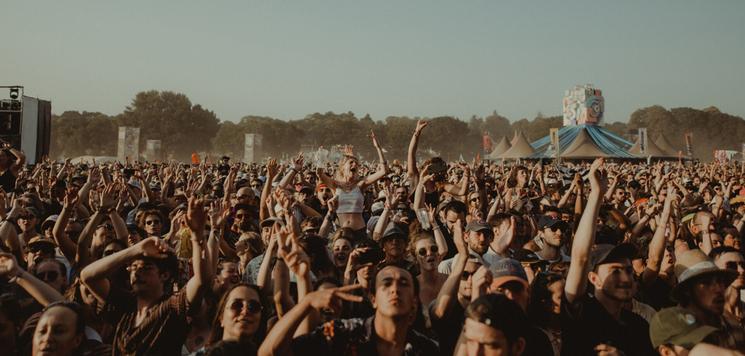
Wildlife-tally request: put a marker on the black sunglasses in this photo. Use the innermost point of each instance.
(152, 222)
(253, 306)
(423, 251)
(43, 249)
(47, 276)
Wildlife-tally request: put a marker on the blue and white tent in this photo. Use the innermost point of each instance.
(583, 142)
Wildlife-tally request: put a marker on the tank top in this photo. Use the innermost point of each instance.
(351, 202)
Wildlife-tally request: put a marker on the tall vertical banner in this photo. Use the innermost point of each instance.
(128, 144)
(252, 148)
(554, 133)
(487, 143)
(643, 140)
(689, 144)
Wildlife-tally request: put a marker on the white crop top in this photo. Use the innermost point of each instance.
(351, 202)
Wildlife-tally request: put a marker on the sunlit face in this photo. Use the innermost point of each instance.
(56, 334)
(27, 222)
(479, 241)
(731, 241)
(145, 277)
(153, 225)
(241, 317)
(340, 251)
(553, 236)
(484, 340)
(615, 280)
(426, 254)
(394, 293)
(244, 195)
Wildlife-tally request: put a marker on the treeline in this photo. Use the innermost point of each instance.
(184, 127)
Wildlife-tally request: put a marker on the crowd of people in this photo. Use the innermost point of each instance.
(371, 258)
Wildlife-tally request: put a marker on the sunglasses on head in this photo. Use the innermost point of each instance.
(423, 251)
(253, 306)
(48, 275)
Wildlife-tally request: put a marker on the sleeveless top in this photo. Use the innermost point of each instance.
(351, 202)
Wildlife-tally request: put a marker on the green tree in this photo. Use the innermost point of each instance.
(77, 133)
(170, 117)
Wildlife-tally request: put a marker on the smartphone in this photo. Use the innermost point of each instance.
(374, 255)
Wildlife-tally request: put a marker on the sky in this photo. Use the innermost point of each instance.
(287, 59)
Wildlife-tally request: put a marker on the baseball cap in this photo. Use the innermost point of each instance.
(507, 270)
(547, 221)
(478, 225)
(604, 253)
(41, 240)
(677, 326)
(50, 220)
(269, 222)
(393, 231)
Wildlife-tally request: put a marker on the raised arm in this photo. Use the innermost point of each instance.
(657, 245)
(382, 166)
(266, 190)
(576, 282)
(95, 275)
(448, 292)
(40, 291)
(66, 245)
(411, 169)
(278, 341)
(196, 220)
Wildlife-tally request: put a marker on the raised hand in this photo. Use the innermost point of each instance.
(459, 239)
(8, 265)
(298, 162)
(196, 219)
(109, 196)
(598, 181)
(295, 257)
(333, 204)
(376, 144)
(272, 167)
(420, 125)
(332, 298)
(71, 199)
(153, 247)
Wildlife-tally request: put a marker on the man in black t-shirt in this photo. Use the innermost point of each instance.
(597, 322)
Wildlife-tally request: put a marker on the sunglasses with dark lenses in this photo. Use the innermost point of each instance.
(26, 217)
(464, 276)
(47, 276)
(732, 265)
(253, 306)
(152, 222)
(423, 251)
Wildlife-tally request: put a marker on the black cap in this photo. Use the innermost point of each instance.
(547, 221)
(393, 232)
(607, 253)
